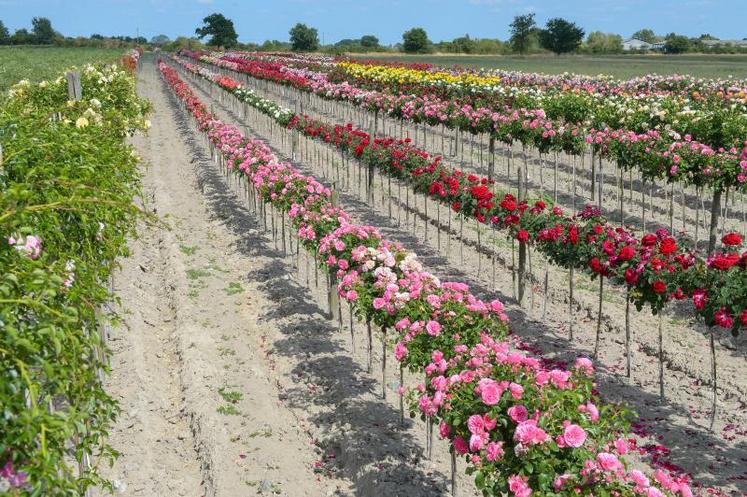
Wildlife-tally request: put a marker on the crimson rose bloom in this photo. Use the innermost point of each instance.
(732, 239)
(631, 277)
(659, 286)
(522, 236)
(724, 262)
(668, 246)
(626, 253)
(648, 240)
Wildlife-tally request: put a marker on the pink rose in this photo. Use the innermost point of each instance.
(518, 413)
(608, 462)
(475, 424)
(460, 445)
(490, 391)
(494, 451)
(574, 436)
(433, 328)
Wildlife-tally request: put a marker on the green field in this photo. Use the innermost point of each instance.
(40, 63)
(620, 66)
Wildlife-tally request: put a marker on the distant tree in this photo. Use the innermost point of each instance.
(646, 35)
(707, 36)
(521, 31)
(181, 43)
(160, 40)
(415, 41)
(369, 41)
(4, 34)
(22, 37)
(96, 36)
(675, 43)
(489, 46)
(561, 36)
(598, 42)
(464, 44)
(304, 38)
(275, 46)
(42, 30)
(220, 29)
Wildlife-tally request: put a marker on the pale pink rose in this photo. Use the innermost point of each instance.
(621, 446)
(516, 390)
(608, 462)
(561, 480)
(638, 478)
(574, 436)
(518, 485)
(475, 443)
(475, 424)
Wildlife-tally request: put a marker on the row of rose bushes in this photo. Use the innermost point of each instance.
(708, 151)
(724, 89)
(523, 425)
(654, 268)
(68, 182)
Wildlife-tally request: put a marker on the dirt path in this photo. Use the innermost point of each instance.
(201, 413)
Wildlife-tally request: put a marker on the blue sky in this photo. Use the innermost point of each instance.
(257, 20)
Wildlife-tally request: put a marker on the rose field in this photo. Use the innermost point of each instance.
(235, 273)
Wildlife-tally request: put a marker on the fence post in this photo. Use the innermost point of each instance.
(74, 89)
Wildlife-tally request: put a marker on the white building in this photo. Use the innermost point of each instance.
(636, 44)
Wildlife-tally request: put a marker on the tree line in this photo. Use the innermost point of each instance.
(42, 33)
(558, 36)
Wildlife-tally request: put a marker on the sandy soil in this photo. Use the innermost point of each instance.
(716, 459)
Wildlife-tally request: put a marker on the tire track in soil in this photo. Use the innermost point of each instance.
(720, 461)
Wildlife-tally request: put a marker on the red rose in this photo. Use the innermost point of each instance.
(724, 262)
(659, 286)
(596, 265)
(522, 236)
(626, 253)
(732, 239)
(539, 204)
(573, 234)
(668, 246)
(456, 206)
(508, 203)
(631, 277)
(648, 240)
(743, 317)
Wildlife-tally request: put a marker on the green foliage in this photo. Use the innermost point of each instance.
(304, 38)
(4, 34)
(369, 41)
(68, 180)
(561, 36)
(603, 43)
(22, 37)
(160, 40)
(416, 41)
(220, 29)
(521, 30)
(676, 44)
(40, 63)
(646, 35)
(42, 30)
